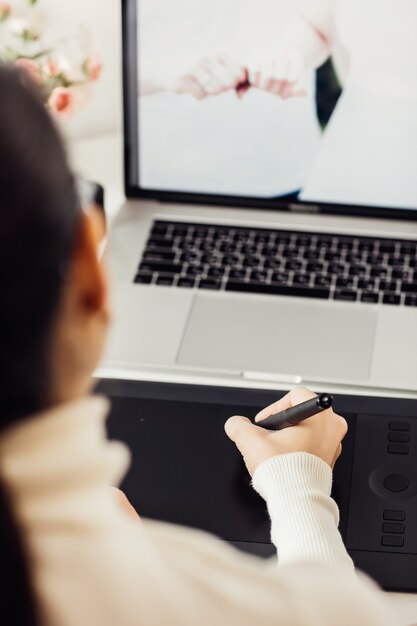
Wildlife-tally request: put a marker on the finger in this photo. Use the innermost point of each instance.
(336, 456)
(293, 397)
(123, 502)
(188, 84)
(243, 433)
(297, 92)
(207, 79)
(236, 69)
(267, 76)
(228, 71)
(226, 77)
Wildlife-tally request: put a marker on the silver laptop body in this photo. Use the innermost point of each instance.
(239, 338)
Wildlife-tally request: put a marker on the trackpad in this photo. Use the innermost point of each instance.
(317, 340)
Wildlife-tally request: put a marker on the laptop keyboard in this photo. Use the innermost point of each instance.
(280, 262)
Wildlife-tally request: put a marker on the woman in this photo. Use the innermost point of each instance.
(69, 554)
(369, 148)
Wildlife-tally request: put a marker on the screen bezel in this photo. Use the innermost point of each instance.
(131, 154)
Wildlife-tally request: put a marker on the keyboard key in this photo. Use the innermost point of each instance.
(324, 241)
(239, 274)
(366, 245)
(167, 268)
(290, 253)
(374, 259)
(408, 248)
(273, 264)
(186, 282)
(388, 246)
(370, 297)
(190, 257)
(160, 228)
(323, 281)
(251, 261)
(398, 448)
(301, 279)
(357, 270)
(332, 257)
(393, 541)
(210, 283)
(336, 268)
(262, 237)
(216, 272)
(277, 289)
(366, 283)
(392, 527)
(230, 260)
(386, 285)
(293, 265)
(159, 244)
(195, 270)
(165, 279)
(391, 298)
(256, 275)
(345, 283)
(379, 272)
(345, 244)
(312, 255)
(280, 277)
(399, 437)
(409, 287)
(180, 228)
(159, 256)
(144, 279)
(303, 240)
(345, 294)
(399, 426)
(355, 258)
(395, 516)
(314, 267)
(411, 300)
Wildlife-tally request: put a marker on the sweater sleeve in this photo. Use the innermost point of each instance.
(304, 518)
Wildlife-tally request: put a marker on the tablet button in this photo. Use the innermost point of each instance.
(399, 437)
(399, 426)
(398, 448)
(392, 540)
(394, 516)
(396, 482)
(392, 527)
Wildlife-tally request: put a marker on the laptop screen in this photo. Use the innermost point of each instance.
(273, 103)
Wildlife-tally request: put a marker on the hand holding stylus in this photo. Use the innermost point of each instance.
(321, 434)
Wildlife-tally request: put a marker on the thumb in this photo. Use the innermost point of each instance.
(242, 432)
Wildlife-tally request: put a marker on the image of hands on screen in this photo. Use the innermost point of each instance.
(296, 99)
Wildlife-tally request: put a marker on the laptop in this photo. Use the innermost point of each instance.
(269, 233)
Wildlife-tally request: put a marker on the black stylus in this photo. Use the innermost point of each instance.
(297, 413)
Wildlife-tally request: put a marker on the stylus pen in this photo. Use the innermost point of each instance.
(298, 413)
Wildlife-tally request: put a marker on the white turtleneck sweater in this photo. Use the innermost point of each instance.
(93, 565)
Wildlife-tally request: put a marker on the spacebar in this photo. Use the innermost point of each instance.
(277, 290)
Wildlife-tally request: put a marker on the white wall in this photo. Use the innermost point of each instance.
(102, 17)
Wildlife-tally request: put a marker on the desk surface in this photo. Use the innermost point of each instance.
(101, 159)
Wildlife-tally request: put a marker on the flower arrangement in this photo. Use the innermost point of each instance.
(64, 70)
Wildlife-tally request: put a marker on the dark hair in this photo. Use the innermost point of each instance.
(39, 217)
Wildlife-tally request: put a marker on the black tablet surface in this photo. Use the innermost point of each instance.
(185, 470)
